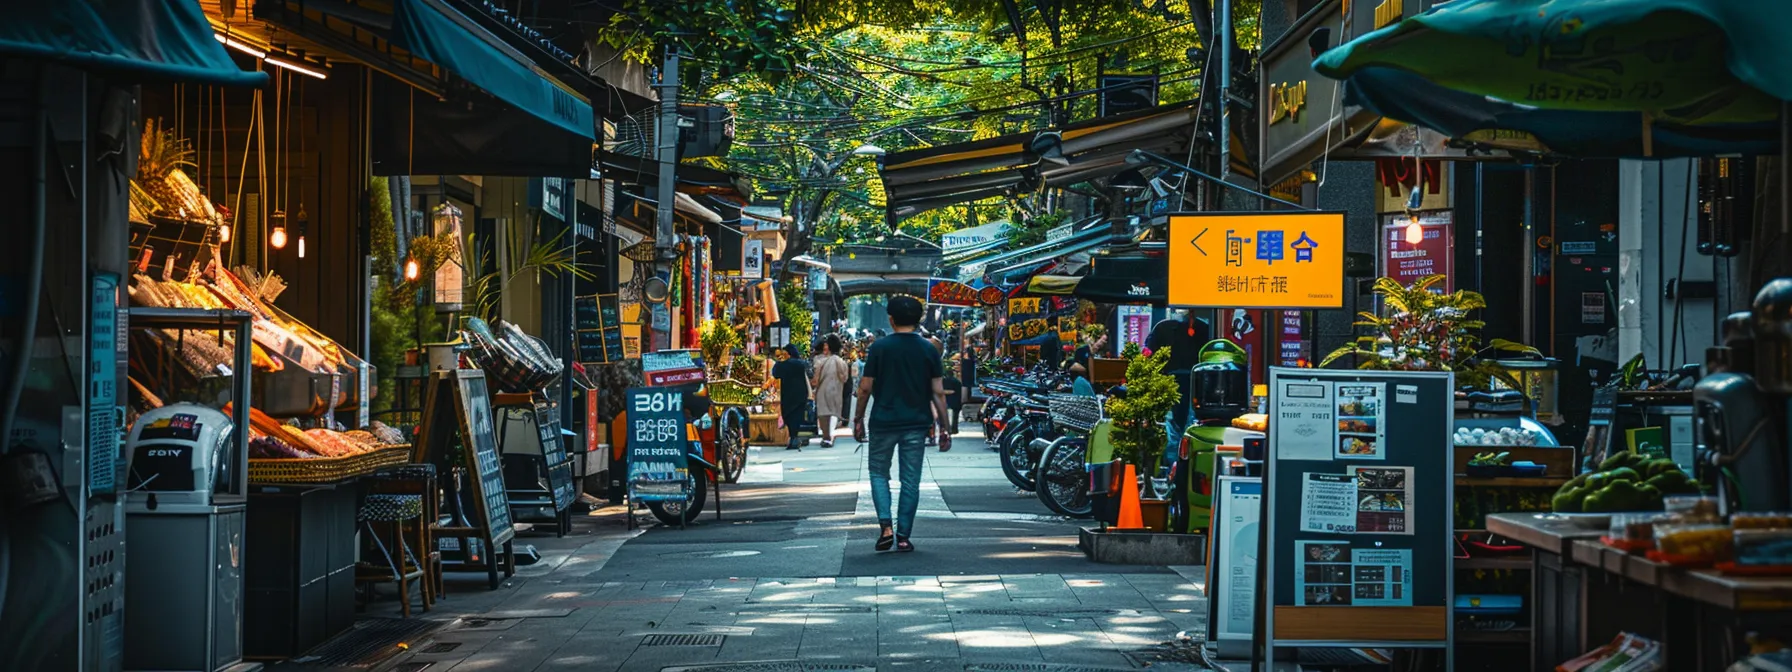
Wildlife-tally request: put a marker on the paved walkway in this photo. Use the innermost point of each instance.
(788, 578)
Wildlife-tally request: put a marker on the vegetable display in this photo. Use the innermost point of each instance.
(1624, 482)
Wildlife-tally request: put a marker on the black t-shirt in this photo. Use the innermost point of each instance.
(954, 400)
(902, 368)
(793, 382)
(1185, 348)
(1051, 350)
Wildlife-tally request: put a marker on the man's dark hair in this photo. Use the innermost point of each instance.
(790, 349)
(905, 311)
(833, 343)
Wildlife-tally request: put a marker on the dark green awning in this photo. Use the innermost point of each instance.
(442, 35)
(139, 39)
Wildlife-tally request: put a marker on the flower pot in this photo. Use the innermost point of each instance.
(1156, 514)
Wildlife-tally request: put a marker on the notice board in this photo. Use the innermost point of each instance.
(1257, 259)
(1359, 512)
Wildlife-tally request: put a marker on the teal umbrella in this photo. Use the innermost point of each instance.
(1679, 61)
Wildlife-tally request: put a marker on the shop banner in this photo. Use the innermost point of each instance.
(1294, 348)
(1257, 260)
(944, 292)
(1410, 253)
(672, 367)
(1133, 324)
(752, 259)
(972, 237)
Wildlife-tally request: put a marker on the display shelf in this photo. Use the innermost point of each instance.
(1511, 481)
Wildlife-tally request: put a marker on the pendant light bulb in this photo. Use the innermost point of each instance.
(301, 246)
(223, 234)
(278, 238)
(411, 270)
(1415, 234)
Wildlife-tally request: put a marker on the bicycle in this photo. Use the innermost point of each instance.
(1062, 473)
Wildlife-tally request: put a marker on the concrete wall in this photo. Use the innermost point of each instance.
(1657, 239)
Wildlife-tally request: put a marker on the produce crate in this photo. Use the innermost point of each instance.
(326, 469)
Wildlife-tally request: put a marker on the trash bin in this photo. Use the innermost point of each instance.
(184, 514)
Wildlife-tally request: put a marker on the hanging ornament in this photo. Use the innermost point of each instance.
(304, 223)
(411, 269)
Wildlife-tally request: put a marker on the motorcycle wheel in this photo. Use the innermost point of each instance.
(1017, 463)
(731, 449)
(1063, 478)
(680, 513)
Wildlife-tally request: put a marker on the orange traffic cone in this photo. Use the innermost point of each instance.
(1130, 519)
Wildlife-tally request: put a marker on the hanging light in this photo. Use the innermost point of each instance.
(277, 238)
(304, 223)
(297, 66)
(1414, 233)
(223, 234)
(411, 269)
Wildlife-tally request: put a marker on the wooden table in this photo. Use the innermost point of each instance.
(763, 429)
(1587, 593)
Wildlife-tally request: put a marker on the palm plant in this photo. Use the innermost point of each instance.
(1422, 330)
(545, 256)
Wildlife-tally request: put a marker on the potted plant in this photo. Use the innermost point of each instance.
(1138, 425)
(1423, 330)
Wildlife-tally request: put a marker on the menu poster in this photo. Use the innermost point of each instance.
(1134, 324)
(1322, 575)
(584, 313)
(657, 466)
(1294, 349)
(609, 311)
(1362, 430)
(591, 347)
(1411, 250)
(1235, 586)
(1328, 503)
(1303, 424)
(1382, 577)
(1383, 499)
(1338, 574)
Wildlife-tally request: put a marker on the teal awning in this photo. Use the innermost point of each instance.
(442, 35)
(139, 39)
(1682, 61)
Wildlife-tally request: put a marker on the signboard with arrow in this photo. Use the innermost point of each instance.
(1257, 259)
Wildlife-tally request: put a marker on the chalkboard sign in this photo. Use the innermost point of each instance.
(459, 407)
(585, 313)
(553, 451)
(613, 344)
(591, 347)
(657, 470)
(1359, 517)
(609, 312)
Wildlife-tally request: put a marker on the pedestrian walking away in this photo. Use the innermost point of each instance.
(829, 381)
(792, 375)
(903, 378)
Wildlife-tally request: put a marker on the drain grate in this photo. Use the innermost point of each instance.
(372, 641)
(682, 640)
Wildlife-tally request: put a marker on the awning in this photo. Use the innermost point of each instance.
(638, 170)
(442, 35)
(924, 179)
(1053, 285)
(137, 39)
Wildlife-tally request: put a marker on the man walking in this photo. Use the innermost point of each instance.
(792, 376)
(902, 375)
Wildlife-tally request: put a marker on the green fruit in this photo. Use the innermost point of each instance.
(1566, 502)
(1619, 496)
(1578, 481)
(1657, 466)
(1651, 496)
(1623, 474)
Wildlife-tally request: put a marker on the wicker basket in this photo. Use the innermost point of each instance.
(326, 469)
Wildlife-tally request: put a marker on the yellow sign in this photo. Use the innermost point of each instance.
(1257, 260)
(1287, 100)
(1023, 306)
(1388, 12)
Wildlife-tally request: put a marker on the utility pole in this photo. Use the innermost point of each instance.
(1222, 29)
(665, 146)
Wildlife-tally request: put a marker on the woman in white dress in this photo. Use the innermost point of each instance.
(828, 379)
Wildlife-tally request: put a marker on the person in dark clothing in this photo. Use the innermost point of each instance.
(1184, 337)
(1051, 351)
(903, 380)
(792, 375)
(954, 400)
(1080, 361)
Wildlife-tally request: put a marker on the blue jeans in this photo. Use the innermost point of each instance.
(884, 445)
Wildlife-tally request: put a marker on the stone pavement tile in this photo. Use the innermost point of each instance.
(952, 664)
(1106, 591)
(1192, 619)
(774, 643)
(1079, 641)
(918, 637)
(1049, 586)
(1130, 631)
(839, 636)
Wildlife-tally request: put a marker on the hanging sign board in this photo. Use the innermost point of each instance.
(944, 292)
(609, 312)
(1358, 525)
(1133, 324)
(103, 416)
(585, 313)
(1257, 260)
(752, 259)
(657, 469)
(1410, 254)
